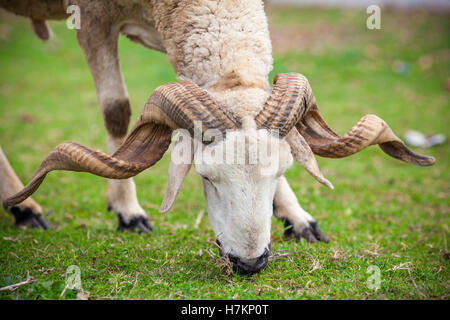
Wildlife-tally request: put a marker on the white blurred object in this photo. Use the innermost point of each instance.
(418, 139)
(436, 139)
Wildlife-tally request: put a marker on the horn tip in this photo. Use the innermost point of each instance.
(429, 161)
(329, 184)
(164, 208)
(326, 182)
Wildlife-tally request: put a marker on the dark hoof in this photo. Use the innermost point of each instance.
(25, 216)
(311, 234)
(318, 233)
(138, 224)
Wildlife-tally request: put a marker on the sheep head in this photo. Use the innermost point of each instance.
(239, 160)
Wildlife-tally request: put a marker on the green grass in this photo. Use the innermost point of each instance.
(382, 212)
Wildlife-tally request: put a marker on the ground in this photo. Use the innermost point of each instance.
(382, 213)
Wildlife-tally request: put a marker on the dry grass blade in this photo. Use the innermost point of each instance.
(338, 255)
(11, 239)
(401, 266)
(277, 255)
(316, 266)
(13, 287)
(227, 264)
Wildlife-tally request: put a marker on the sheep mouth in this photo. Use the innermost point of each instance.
(245, 266)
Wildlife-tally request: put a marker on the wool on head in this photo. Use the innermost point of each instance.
(223, 46)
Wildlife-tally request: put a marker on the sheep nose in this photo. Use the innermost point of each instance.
(250, 266)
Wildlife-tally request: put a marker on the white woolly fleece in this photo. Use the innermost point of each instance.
(208, 40)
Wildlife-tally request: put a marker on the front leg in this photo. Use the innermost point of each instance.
(26, 213)
(298, 222)
(98, 39)
(122, 199)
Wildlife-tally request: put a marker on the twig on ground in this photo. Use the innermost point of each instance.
(13, 287)
(276, 256)
(11, 239)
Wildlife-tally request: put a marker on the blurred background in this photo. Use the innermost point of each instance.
(399, 4)
(382, 211)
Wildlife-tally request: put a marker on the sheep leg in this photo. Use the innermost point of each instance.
(298, 222)
(98, 39)
(27, 212)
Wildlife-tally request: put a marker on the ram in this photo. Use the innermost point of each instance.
(240, 133)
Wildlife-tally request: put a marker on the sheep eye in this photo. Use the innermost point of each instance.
(207, 179)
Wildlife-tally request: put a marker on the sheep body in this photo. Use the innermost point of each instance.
(223, 46)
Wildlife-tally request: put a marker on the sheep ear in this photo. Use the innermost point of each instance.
(180, 164)
(303, 154)
(41, 29)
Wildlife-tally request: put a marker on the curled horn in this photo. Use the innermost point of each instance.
(171, 106)
(370, 130)
(285, 106)
(292, 105)
(281, 112)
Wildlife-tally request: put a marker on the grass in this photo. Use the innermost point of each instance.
(382, 212)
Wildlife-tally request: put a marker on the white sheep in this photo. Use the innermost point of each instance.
(221, 53)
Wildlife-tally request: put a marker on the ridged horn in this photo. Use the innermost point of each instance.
(282, 111)
(171, 106)
(285, 106)
(370, 130)
(296, 100)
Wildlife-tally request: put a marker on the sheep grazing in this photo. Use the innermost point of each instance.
(221, 52)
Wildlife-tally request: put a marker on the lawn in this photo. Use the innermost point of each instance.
(382, 213)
